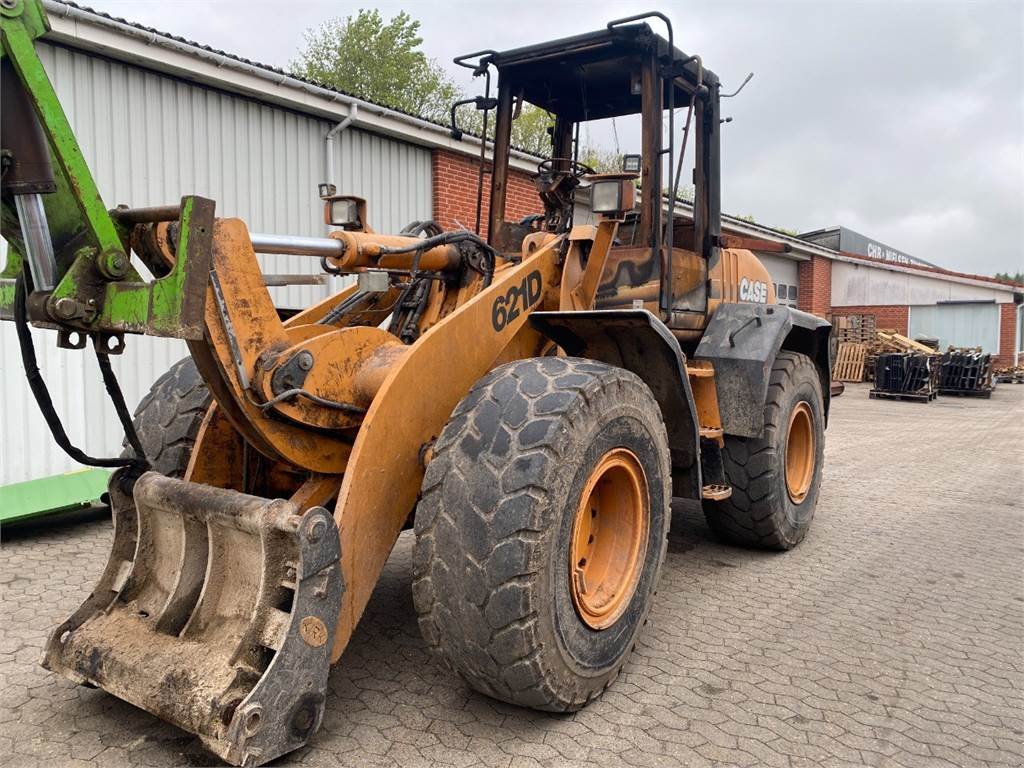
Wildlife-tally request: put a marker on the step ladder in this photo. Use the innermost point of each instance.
(712, 439)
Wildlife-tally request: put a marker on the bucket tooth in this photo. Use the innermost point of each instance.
(216, 612)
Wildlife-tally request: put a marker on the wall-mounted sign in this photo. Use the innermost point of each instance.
(855, 242)
(884, 252)
(848, 241)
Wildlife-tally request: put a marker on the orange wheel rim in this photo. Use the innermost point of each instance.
(800, 452)
(609, 539)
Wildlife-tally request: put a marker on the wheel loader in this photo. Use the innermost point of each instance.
(528, 398)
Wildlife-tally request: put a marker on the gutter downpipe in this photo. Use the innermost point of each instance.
(353, 112)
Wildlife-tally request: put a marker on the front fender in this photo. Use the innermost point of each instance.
(639, 342)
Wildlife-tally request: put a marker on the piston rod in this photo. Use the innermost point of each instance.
(287, 245)
(294, 245)
(38, 246)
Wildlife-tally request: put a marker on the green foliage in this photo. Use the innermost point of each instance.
(686, 193)
(1016, 277)
(783, 230)
(529, 129)
(601, 160)
(378, 61)
(382, 62)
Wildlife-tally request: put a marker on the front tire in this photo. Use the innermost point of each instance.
(541, 530)
(168, 418)
(775, 477)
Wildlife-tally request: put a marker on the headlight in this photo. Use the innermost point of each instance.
(606, 197)
(631, 163)
(343, 213)
(612, 196)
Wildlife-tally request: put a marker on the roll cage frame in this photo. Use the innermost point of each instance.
(624, 69)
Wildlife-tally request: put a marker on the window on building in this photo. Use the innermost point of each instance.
(785, 293)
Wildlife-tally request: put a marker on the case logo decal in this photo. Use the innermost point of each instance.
(753, 290)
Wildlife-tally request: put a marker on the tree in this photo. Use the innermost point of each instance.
(381, 62)
(378, 61)
(529, 129)
(601, 160)
(1017, 277)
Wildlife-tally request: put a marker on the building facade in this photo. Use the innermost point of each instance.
(917, 299)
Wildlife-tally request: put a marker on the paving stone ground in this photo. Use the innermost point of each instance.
(891, 637)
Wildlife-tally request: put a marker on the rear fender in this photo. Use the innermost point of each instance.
(639, 342)
(742, 340)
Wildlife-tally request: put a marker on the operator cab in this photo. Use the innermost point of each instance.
(624, 69)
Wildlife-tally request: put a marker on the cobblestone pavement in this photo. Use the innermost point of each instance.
(891, 637)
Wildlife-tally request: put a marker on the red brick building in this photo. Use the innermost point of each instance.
(455, 185)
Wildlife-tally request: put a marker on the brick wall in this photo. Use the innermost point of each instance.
(894, 317)
(815, 278)
(455, 185)
(1008, 342)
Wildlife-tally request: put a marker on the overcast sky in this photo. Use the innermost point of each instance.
(904, 121)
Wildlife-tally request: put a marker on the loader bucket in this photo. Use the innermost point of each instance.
(216, 612)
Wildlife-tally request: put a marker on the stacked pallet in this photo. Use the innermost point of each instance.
(966, 372)
(1014, 375)
(897, 342)
(905, 376)
(859, 329)
(886, 340)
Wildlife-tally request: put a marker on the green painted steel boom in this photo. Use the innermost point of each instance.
(97, 292)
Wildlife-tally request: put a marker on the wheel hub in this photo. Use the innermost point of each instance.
(800, 452)
(609, 538)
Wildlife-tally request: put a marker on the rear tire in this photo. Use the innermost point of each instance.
(168, 418)
(498, 529)
(765, 510)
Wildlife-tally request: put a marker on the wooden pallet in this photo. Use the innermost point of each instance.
(920, 397)
(850, 362)
(900, 342)
(985, 393)
(856, 328)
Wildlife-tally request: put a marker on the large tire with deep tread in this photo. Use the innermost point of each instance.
(491, 560)
(168, 418)
(760, 513)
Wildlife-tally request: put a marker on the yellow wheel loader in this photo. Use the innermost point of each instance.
(528, 400)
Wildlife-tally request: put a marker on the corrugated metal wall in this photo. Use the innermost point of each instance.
(958, 325)
(149, 139)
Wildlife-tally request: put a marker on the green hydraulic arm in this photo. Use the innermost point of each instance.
(84, 250)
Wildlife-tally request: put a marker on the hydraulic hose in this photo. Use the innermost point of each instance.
(42, 395)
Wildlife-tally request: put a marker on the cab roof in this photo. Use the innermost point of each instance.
(594, 75)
